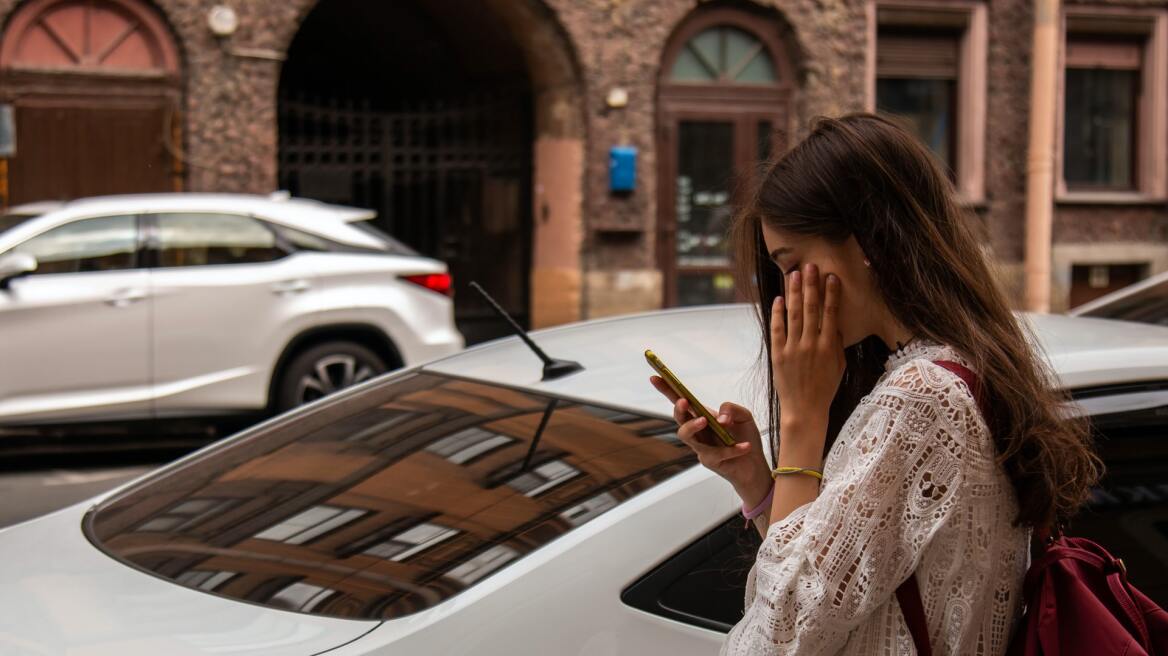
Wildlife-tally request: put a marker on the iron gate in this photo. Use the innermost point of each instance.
(451, 178)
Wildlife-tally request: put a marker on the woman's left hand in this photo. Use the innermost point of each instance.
(807, 357)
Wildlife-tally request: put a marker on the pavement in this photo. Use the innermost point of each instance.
(28, 494)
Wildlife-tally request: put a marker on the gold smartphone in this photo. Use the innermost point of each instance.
(695, 405)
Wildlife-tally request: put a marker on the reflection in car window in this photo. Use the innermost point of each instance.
(198, 239)
(388, 501)
(105, 243)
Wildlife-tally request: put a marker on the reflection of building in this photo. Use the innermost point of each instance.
(411, 497)
(481, 128)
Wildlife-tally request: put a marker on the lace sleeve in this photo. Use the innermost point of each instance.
(891, 481)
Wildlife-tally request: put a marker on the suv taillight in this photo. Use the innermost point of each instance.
(435, 282)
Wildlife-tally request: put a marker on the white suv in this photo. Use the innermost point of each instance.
(166, 305)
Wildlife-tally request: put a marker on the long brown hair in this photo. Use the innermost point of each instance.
(862, 175)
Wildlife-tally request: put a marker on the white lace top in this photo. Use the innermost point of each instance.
(910, 484)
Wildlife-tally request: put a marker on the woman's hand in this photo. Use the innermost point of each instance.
(807, 361)
(743, 464)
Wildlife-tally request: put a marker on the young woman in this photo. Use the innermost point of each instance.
(866, 273)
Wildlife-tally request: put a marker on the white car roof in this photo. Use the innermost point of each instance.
(715, 351)
(330, 221)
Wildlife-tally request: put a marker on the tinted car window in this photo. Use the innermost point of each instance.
(198, 239)
(704, 584)
(106, 243)
(392, 245)
(387, 501)
(1128, 513)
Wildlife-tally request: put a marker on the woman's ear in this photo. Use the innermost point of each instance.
(854, 244)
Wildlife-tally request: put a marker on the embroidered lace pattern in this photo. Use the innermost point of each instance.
(910, 485)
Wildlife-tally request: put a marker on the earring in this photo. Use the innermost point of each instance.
(867, 262)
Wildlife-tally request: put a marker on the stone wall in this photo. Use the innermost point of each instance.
(596, 252)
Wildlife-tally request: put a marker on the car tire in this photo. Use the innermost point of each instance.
(324, 369)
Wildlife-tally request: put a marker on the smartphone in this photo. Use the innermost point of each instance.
(694, 404)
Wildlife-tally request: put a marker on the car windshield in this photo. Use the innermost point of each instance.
(389, 500)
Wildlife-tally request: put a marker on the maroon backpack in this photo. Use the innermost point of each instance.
(1078, 599)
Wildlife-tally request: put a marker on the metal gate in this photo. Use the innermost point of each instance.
(451, 178)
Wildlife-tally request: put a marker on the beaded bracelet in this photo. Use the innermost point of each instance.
(783, 471)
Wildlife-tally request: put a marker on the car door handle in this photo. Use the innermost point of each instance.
(125, 297)
(291, 286)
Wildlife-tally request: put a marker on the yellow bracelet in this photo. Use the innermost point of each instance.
(782, 471)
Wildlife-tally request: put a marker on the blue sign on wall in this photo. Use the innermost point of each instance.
(622, 168)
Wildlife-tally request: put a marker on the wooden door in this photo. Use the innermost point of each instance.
(67, 150)
(724, 95)
(711, 158)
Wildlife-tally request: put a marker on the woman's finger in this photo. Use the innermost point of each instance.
(660, 385)
(831, 303)
(688, 433)
(709, 455)
(734, 414)
(681, 413)
(778, 325)
(793, 299)
(811, 307)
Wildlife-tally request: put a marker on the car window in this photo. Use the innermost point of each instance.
(387, 501)
(392, 245)
(105, 243)
(198, 239)
(1128, 512)
(304, 241)
(704, 584)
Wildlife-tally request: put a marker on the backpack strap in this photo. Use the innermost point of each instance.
(908, 594)
(913, 609)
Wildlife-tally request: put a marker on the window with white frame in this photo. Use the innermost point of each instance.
(929, 73)
(1113, 102)
(185, 515)
(543, 477)
(468, 444)
(411, 541)
(205, 579)
(310, 524)
(484, 563)
(301, 597)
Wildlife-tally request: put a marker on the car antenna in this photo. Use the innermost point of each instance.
(552, 368)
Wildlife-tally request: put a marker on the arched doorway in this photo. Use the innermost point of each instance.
(428, 113)
(95, 87)
(724, 98)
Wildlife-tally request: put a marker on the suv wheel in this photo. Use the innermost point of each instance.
(324, 369)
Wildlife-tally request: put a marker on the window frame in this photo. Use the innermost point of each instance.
(970, 19)
(1151, 135)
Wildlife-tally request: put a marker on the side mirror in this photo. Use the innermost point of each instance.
(15, 265)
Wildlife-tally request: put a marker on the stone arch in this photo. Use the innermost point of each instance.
(554, 195)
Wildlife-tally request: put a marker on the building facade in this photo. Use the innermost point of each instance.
(481, 129)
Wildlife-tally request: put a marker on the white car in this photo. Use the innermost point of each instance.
(165, 305)
(1145, 301)
(468, 507)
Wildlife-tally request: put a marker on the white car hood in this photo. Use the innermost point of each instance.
(60, 595)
